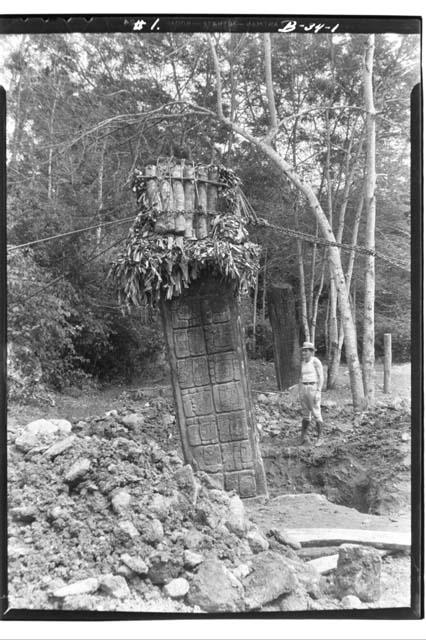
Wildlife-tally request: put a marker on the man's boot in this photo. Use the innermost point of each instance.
(319, 426)
(305, 427)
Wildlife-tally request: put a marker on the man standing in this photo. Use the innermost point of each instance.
(310, 385)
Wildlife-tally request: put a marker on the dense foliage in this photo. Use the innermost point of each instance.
(85, 110)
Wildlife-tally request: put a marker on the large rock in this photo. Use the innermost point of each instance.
(358, 572)
(236, 517)
(90, 585)
(177, 588)
(213, 589)
(115, 586)
(48, 427)
(271, 577)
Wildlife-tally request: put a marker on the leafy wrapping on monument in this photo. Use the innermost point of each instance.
(154, 264)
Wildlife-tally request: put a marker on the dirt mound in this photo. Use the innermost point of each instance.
(101, 517)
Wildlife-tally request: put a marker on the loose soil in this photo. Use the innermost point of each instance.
(359, 478)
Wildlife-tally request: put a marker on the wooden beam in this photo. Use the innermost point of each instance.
(329, 537)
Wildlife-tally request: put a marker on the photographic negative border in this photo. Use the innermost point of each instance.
(104, 23)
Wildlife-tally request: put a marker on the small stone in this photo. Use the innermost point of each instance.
(257, 541)
(163, 567)
(177, 588)
(135, 564)
(123, 570)
(192, 559)
(351, 602)
(90, 585)
(296, 601)
(25, 514)
(358, 572)
(133, 420)
(120, 501)
(59, 447)
(185, 480)
(152, 531)
(286, 538)
(17, 551)
(112, 414)
(168, 419)
(55, 513)
(77, 471)
(129, 528)
(193, 539)
(115, 586)
(236, 519)
(160, 506)
(405, 436)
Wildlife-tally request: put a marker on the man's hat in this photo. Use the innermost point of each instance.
(308, 345)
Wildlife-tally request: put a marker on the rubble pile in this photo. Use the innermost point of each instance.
(103, 518)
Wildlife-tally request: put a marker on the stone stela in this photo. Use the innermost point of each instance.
(206, 348)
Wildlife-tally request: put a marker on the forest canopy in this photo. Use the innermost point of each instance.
(85, 111)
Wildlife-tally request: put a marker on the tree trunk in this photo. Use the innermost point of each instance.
(302, 289)
(265, 264)
(255, 295)
(370, 199)
(285, 332)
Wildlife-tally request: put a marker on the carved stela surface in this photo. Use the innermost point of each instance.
(209, 376)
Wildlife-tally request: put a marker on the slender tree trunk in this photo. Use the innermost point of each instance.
(256, 292)
(51, 125)
(265, 265)
(317, 298)
(368, 358)
(100, 194)
(302, 290)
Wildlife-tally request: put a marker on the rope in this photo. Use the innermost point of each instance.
(308, 237)
(317, 240)
(69, 233)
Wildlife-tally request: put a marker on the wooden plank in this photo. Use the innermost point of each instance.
(329, 537)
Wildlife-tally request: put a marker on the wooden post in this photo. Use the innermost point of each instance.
(387, 341)
(202, 203)
(282, 315)
(189, 191)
